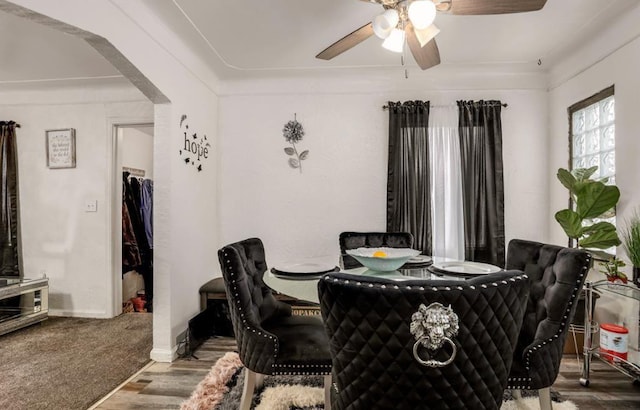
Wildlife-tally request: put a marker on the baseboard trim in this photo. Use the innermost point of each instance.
(75, 313)
(164, 355)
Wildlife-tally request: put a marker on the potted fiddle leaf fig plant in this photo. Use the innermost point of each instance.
(630, 233)
(593, 199)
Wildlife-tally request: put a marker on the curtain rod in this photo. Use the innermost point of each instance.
(384, 107)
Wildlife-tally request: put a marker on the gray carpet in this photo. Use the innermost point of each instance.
(70, 363)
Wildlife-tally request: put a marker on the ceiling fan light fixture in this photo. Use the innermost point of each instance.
(422, 13)
(384, 23)
(395, 41)
(427, 34)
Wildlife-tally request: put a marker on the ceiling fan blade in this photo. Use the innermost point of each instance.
(427, 56)
(347, 42)
(475, 7)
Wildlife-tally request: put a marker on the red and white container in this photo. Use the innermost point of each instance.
(613, 341)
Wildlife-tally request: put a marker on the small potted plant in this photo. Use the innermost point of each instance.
(611, 269)
(630, 235)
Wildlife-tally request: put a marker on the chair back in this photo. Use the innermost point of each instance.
(251, 302)
(354, 240)
(374, 325)
(557, 275)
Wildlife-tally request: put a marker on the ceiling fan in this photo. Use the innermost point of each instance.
(411, 21)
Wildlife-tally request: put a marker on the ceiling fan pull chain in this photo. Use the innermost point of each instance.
(402, 56)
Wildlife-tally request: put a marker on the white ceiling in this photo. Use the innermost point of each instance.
(251, 37)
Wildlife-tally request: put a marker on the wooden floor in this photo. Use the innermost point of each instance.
(166, 385)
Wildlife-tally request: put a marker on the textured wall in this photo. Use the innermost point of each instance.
(59, 238)
(343, 182)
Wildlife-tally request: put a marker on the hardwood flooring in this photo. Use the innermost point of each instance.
(166, 385)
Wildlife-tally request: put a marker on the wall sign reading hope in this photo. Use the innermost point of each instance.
(196, 148)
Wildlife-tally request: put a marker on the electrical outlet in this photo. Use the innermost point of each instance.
(91, 206)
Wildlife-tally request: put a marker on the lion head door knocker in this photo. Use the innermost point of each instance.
(433, 326)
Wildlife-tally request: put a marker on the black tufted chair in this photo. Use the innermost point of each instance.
(270, 340)
(354, 240)
(557, 275)
(369, 322)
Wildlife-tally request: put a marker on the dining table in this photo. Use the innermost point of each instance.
(300, 279)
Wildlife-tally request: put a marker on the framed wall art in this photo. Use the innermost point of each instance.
(61, 148)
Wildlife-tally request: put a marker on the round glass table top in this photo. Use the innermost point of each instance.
(305, 287)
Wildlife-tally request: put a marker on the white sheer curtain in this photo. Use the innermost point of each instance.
(446, 183)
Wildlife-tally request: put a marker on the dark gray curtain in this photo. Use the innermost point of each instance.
(480, 130)
(9, 265)
(408, 187)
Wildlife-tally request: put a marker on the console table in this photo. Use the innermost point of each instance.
(602, 287)
(24, 302)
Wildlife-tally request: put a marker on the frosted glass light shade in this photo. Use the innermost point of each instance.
(384, 23)
(395, 41)
(422, 13)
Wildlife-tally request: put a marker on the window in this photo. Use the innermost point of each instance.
(592, 139)
(593, 132)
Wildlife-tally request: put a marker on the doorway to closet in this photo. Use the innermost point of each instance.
(134, 167)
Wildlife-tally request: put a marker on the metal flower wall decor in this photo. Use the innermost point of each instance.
(293, 133)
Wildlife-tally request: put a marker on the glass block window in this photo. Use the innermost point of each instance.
(592, 140)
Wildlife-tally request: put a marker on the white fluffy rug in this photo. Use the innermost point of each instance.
(532, 403)
(284, 397)
(219, 391)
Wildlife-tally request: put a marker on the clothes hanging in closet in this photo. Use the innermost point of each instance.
(146, 209)
(136, 251)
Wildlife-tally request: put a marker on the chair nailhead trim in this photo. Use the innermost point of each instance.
(434, 288)
(561, 328)
(519, 386)
(234, 285)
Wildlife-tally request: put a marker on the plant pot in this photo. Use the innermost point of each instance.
(616, 279)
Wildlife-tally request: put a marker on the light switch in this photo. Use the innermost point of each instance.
(91, 206)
